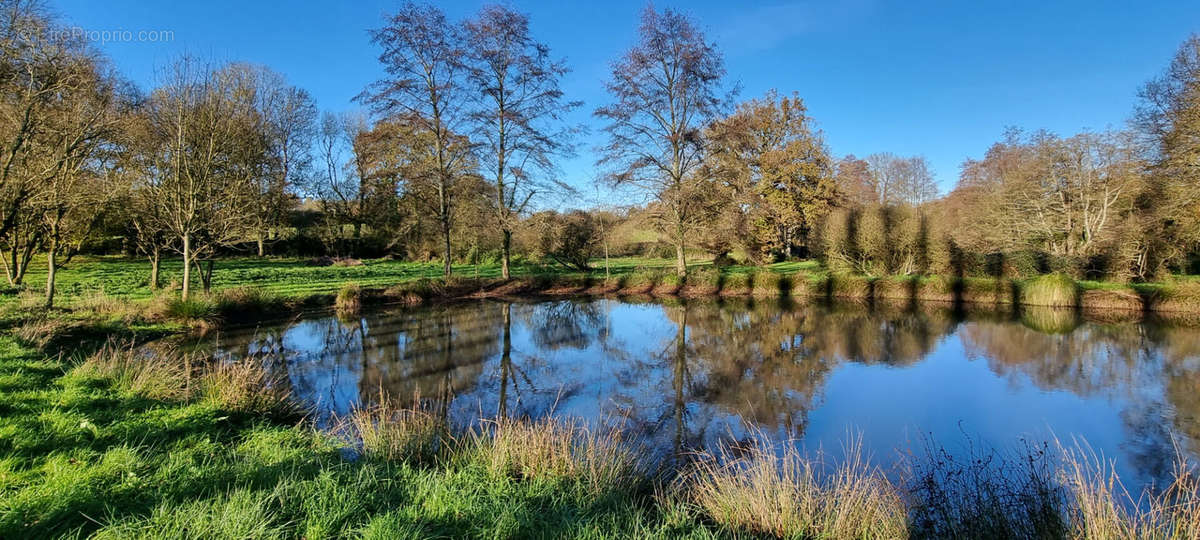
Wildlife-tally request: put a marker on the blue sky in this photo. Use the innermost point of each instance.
(940, 79)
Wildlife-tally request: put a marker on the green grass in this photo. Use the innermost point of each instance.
(100, 451)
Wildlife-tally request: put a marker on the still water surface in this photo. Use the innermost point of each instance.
(701, 373)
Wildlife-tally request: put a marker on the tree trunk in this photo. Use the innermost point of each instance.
(446, 244)
(680, 262)
(506, 247)
(51, 270)
(155, 265)
(259, 241)
(187, 266)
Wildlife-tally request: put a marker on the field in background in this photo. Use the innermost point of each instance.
(290, 277)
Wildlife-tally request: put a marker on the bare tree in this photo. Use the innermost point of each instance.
(207, 159)
(666, 89)
(288, 117)
(899, 180)
(423, 58)
(520, 113)
(69, 202)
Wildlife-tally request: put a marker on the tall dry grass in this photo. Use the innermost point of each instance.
(784, 493)
(1102, 508)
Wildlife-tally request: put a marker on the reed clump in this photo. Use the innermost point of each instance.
(1102, 507)
(247, 386)
(151, 376)
(766, 283)
(736, 283)
(349, 299)
(783, 493)
(849, 286)
(703, 281)
(599, 461)
(1051, 290)
(390, 433)
(1101, 300)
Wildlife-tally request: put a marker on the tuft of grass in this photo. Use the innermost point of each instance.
(197, 308)
(246, 386)
(348, 299)
(766, 283)
(1052, 290)
(390, 433)
(134, 372)
(784, 493)
(600, 462)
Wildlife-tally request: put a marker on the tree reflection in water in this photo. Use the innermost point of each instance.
(685, 375)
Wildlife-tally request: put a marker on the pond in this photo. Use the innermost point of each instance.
(694, 374)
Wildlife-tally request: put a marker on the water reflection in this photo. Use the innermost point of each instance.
(694, 374)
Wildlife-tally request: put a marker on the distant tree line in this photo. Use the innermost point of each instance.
(454, 156)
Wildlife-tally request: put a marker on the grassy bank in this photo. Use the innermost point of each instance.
(253, 287)
(115, 444)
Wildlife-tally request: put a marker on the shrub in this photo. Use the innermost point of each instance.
(767, 283)
(1054, 290)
